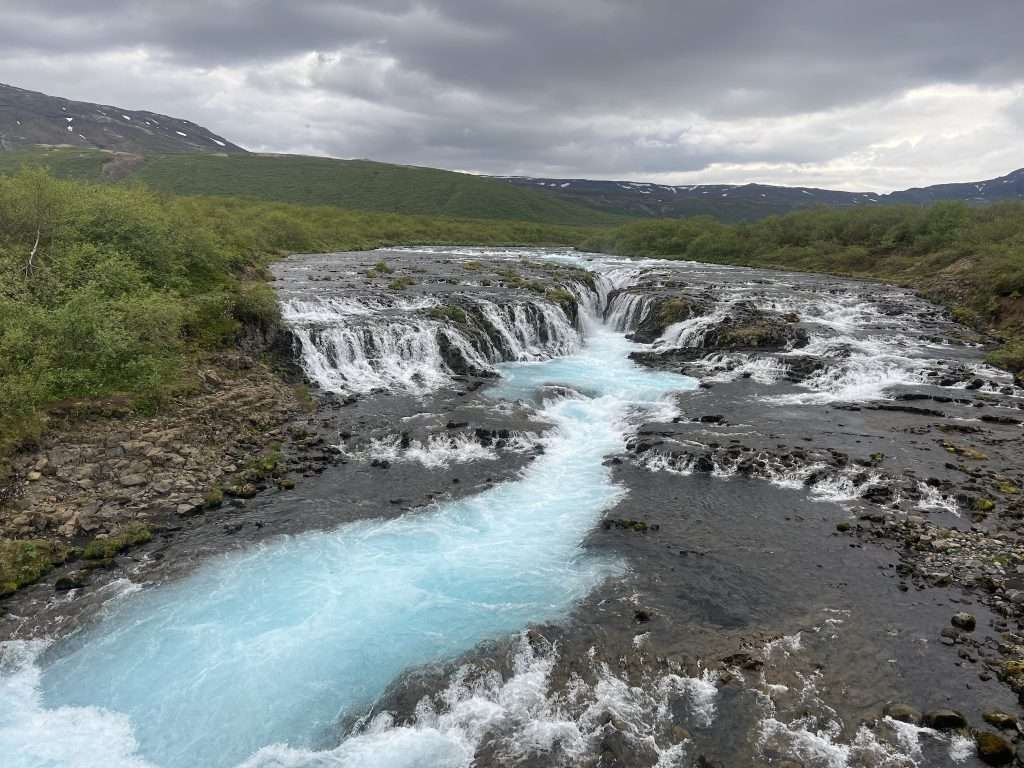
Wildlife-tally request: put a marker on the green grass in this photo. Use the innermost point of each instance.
(75, 164)
(358, 185)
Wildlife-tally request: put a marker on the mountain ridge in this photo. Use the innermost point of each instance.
(740, 202)
(30, 118)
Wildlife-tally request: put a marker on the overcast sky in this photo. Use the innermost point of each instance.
(852, 94)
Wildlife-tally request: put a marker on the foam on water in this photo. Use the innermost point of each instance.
(519, 717)
(273, 645)
(443, 450)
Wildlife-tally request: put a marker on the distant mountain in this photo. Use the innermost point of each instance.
(745, 202)
(28, 118)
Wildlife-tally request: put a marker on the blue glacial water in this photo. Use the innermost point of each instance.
(254, 658)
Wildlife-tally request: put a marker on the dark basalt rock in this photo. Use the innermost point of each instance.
(944, 719)
(751, 329)
(904, 713)
(74, 580)
(964, 621)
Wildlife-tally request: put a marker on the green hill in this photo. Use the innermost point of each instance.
(359, 185)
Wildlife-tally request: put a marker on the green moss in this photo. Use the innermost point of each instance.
(131, 536)
(382, 268)
(214, 497)
(449, 312)
(1009, 489)
(401, 282)
(984, 505)
(674, 311)
(1014, 668)
(24, 561)
(560, 296)
(263, 467)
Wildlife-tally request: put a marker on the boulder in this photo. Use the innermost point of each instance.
(964, 621)
(944, 720)
(904, 713)
(993, 749)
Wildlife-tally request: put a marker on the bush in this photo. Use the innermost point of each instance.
(109, 289)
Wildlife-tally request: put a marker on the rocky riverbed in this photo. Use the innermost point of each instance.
(823, 563)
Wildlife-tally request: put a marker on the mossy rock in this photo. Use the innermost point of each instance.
(993, 749)
(401, 282)
(1000, 719)
(674, 311)
(448, 312)
(263, 467)
(1009, 489)
(24, 561)
(561, 297)
(984, 505)
(105, 549)
(214, 498)
(1014, 668)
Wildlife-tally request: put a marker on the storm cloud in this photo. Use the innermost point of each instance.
(868, 95)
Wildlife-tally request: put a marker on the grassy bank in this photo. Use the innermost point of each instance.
(110, 290)
(970, 259)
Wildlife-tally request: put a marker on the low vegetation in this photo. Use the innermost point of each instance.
(969, 258)
(23, 562)
(360, 185)
(106, 548)
(111, 290)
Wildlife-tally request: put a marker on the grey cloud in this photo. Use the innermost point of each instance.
(526, 85)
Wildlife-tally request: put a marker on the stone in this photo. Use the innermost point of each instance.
(35, 476)
(904, 713)
(944, 719)
(964, 621)
(70, 581)
(132, 480)
(993, 749)
(1000, 719)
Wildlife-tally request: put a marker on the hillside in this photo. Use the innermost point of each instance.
(359, 185)
(28, 118)
(748, 202)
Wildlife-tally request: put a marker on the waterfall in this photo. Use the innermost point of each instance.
(360, 345)
(626, 311)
